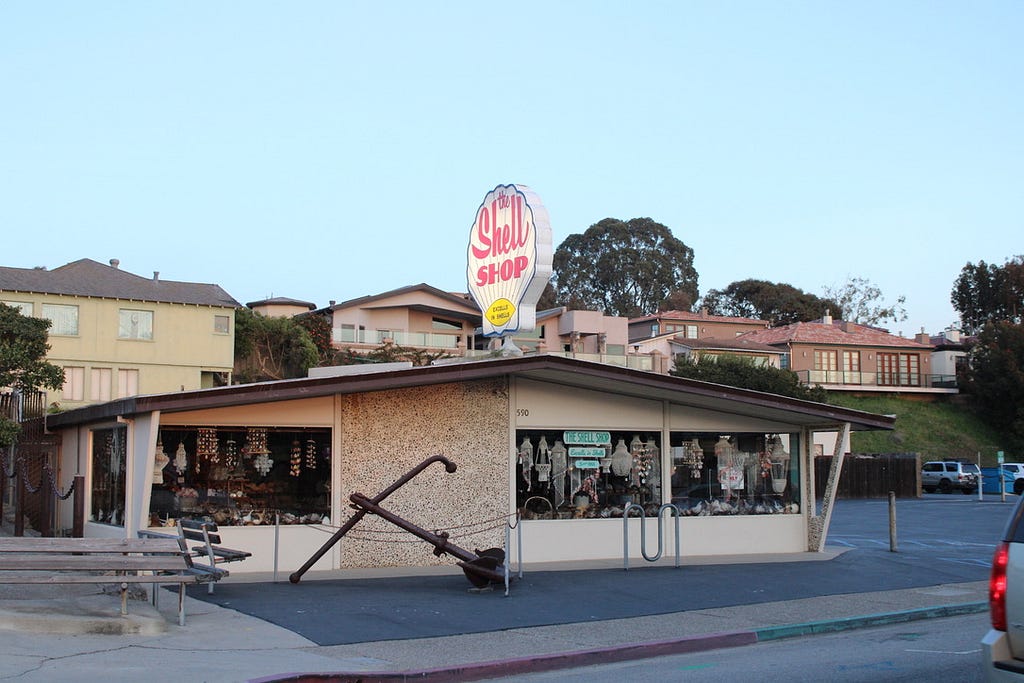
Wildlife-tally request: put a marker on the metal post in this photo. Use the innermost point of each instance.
(277, 541)
(892, 523)
(981, 487)
(78, 521)
(519, 543)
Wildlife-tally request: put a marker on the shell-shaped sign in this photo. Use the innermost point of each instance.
(509, 259)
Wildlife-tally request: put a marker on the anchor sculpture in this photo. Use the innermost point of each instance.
(480, 567)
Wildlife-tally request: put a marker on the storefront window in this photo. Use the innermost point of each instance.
(744, 473)
(567, 474)
(108, 479)
(242, 476)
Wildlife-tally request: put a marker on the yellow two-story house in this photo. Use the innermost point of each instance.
(117, 334)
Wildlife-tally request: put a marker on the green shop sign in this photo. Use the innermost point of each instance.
(587, 437)
(586, 452)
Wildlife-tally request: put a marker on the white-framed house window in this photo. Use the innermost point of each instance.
(135, 324)
(127, 383)
(99, 384)
(63, 319)
(74, 384)
(24, 307)
(222, 324)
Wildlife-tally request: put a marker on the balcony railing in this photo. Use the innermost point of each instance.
(428, 340)
(877, 379)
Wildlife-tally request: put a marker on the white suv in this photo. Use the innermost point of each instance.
(1015, 474)
(1003, 646)
(946, 475)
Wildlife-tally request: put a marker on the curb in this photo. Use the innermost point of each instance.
(628, 652)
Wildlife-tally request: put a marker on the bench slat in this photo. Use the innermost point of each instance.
(101, 563)
(19, 545)
(190, 576)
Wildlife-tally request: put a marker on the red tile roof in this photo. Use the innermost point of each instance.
(688, 316)
(839, 333)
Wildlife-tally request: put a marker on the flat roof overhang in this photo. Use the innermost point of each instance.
(569, 372)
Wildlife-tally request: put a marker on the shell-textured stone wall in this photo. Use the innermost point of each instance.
(385, 434)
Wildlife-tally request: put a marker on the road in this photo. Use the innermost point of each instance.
(945, 648)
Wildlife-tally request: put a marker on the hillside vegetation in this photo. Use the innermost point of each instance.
(944, 429)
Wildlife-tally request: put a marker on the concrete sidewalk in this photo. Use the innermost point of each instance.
(60, 633)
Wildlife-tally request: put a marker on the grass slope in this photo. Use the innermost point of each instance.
(944, 429)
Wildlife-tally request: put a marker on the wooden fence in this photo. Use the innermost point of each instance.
(872, 476)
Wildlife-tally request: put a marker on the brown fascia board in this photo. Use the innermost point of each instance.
(286, 390)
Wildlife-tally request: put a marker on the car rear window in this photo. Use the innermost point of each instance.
(1015, 527)
(971, 467)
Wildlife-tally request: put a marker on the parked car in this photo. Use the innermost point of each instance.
(947, 475)
(1016, 470)
(1003, 646)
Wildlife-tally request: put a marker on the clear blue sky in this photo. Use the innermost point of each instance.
(329, 150)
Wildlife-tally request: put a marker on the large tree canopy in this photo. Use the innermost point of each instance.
(626, 268)
(778, 303)
(23, 364)
(994, 378)
(271, 348)
(858, 303)
(987, 292)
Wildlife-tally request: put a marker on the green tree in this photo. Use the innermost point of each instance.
(777, 303)
(858, 299)
(625, 268)
(745, 373)
(271, 348)
(987, 292)
(319, 329)
(23, 364)
(994, 378)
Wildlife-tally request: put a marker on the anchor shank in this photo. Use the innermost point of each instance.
(439, 542)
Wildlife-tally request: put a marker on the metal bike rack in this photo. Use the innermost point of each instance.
(676, 512)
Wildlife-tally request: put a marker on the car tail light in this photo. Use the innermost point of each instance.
(997, 587)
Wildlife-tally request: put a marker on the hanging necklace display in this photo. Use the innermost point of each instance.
(779, 464)
(180, 459)
(310, 454)
(543, 464)
(693, 457)
(559, 468)
(295, 462)
(263, 463)
(207, 444)
(231, 459)
(622, 461)
(256, 448)
(526, 460)
(159, 461)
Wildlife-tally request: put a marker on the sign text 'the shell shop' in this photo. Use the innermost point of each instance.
(509, 260)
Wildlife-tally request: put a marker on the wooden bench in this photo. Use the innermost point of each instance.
(92, 560)
(206, 533)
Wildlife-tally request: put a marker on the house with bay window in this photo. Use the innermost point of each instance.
(845, 356)
(117, 334)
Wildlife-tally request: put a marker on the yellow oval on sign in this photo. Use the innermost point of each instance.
(500, 311)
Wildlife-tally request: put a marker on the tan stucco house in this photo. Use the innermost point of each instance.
(117, 334)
